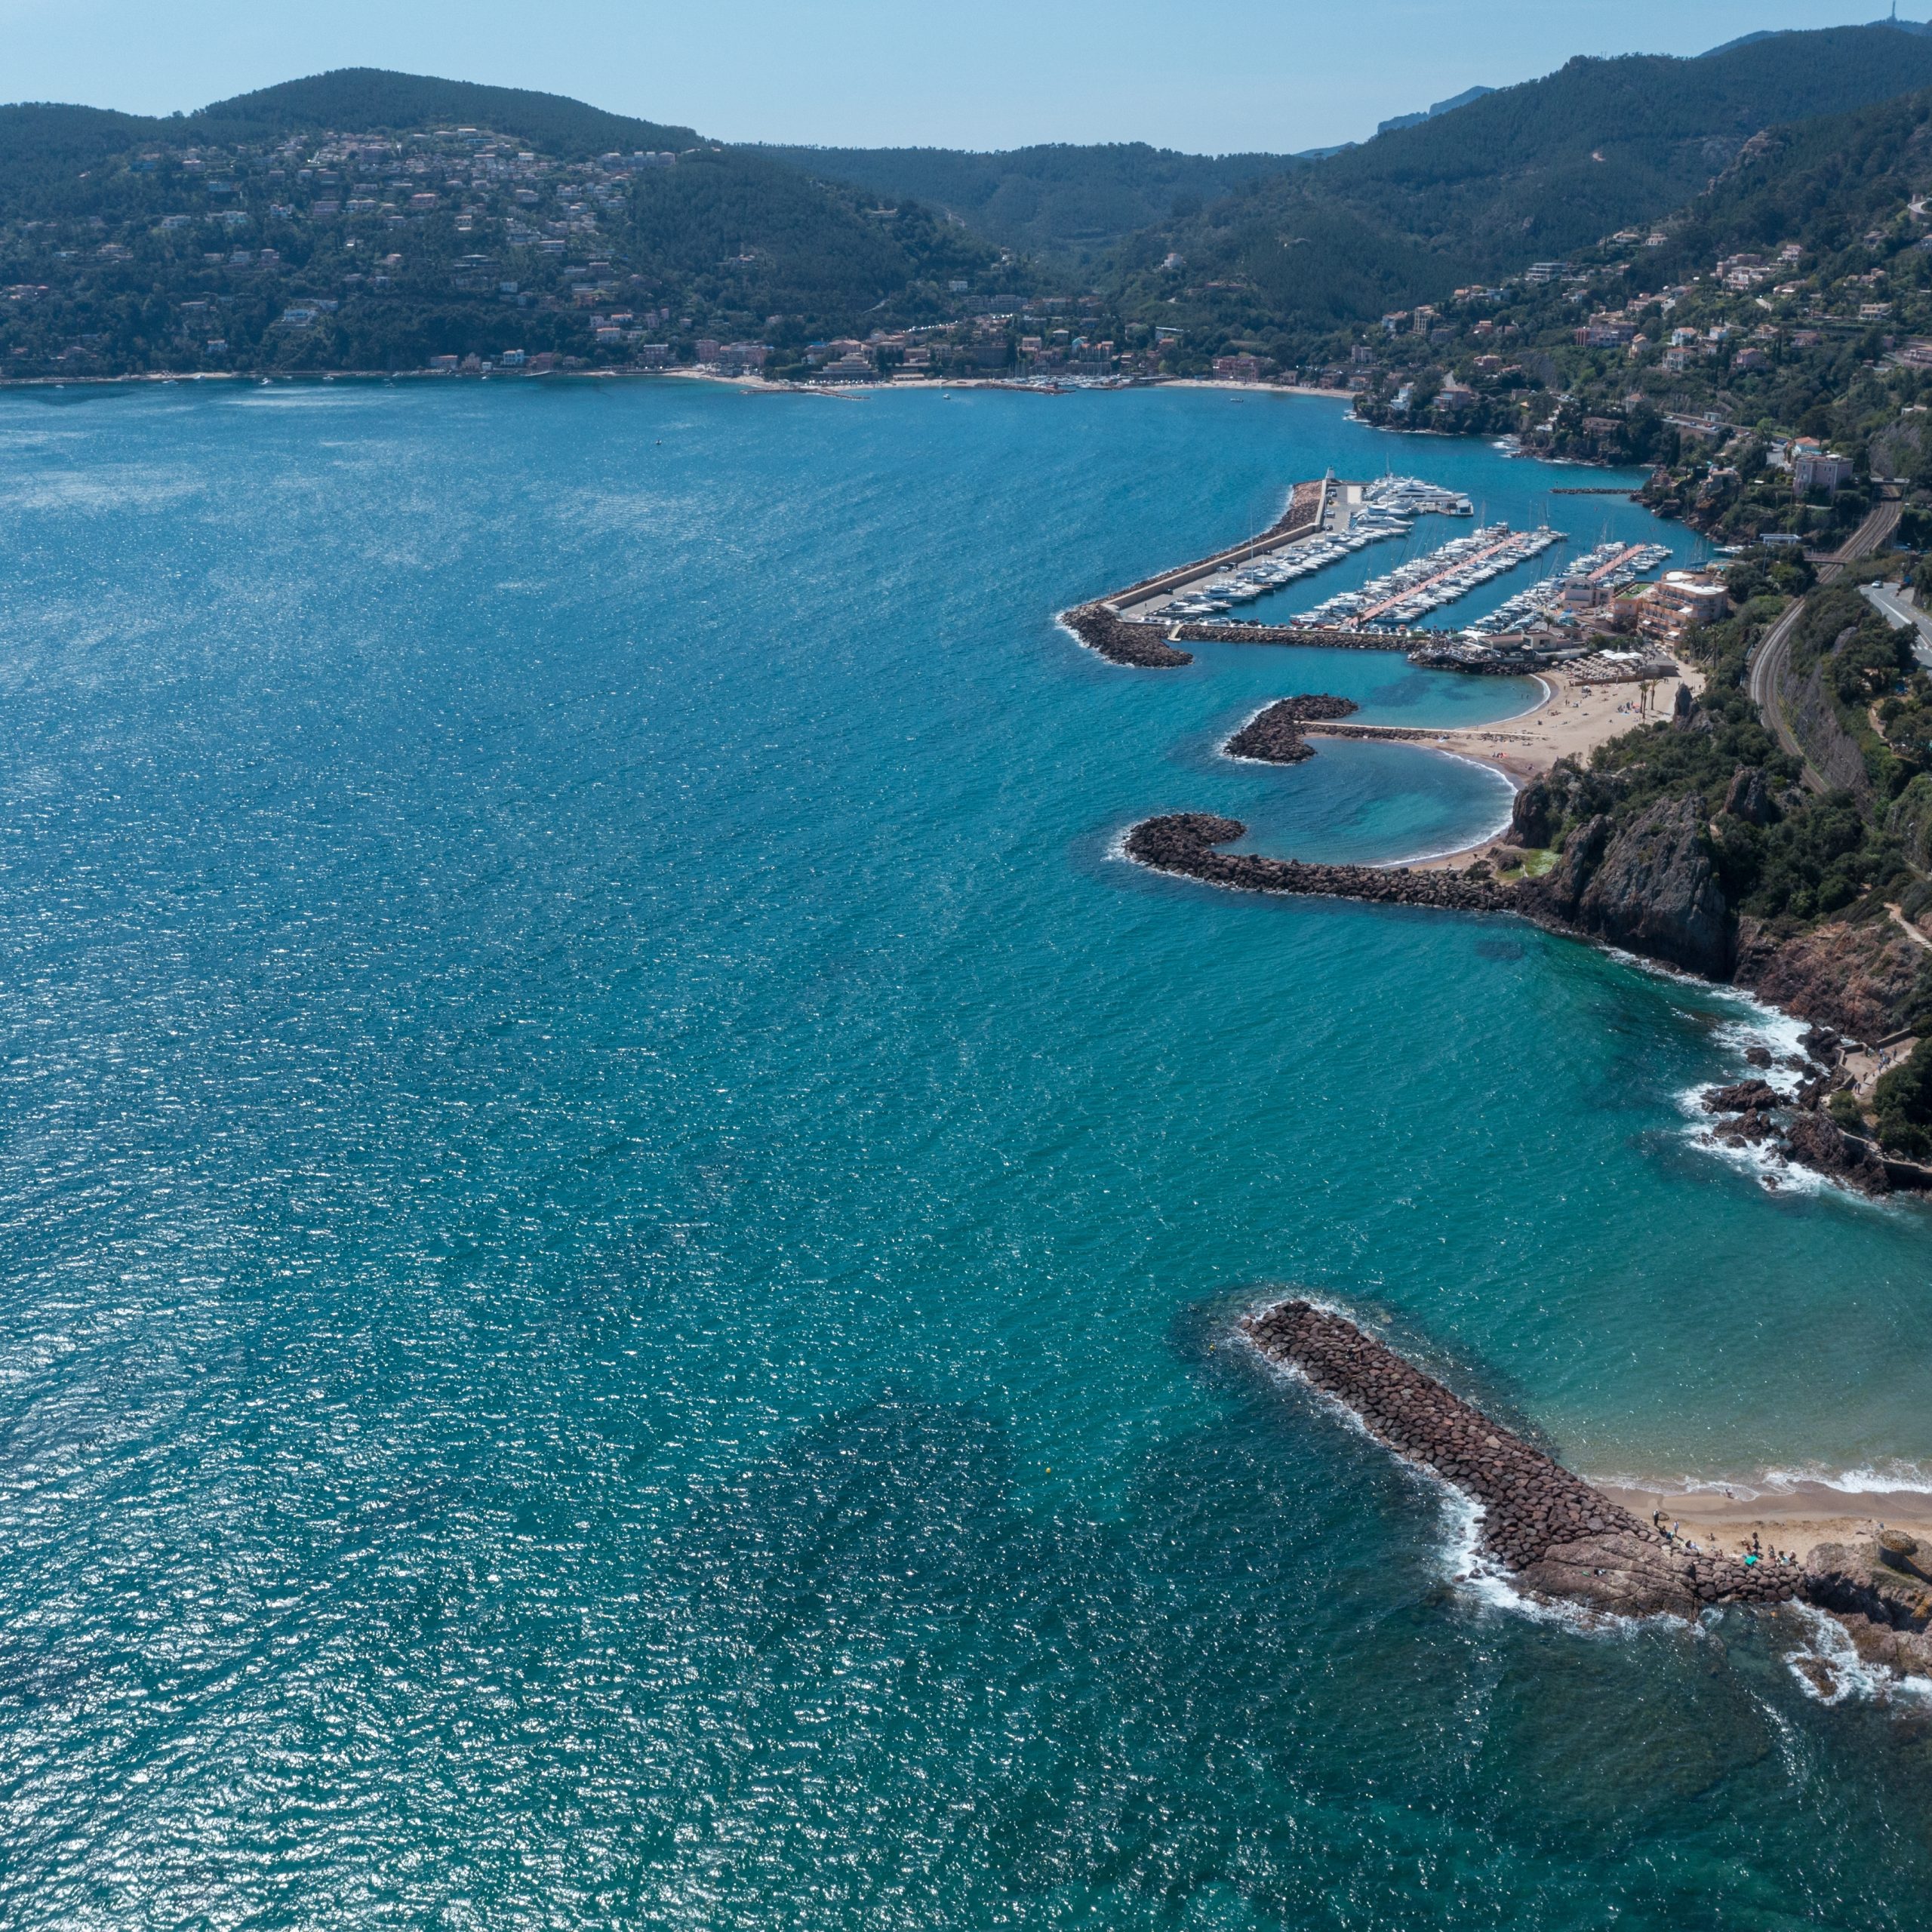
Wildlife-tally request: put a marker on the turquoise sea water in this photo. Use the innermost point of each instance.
(620, 1225)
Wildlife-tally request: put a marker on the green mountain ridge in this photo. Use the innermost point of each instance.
(408, 217)
(126, 239)
(1528, 172)
(1053, 197)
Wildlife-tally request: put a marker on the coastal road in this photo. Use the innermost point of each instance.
(1901, 616)
(1773, 651)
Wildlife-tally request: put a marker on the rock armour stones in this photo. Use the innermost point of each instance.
(1184, 842)
(1274, 735)
(1563, 1540)
(1111, 636)
(1397, 732)
(1328, 638)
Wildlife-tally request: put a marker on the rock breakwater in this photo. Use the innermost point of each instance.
(1109, 636)
(1561, 1539)
(1156, 647)
(1184, 842)
(1274, 735)
(1328, 637)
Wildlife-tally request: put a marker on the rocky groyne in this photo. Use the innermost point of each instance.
(1109, 634)
(1273, 735)
(1561, 1539)
(1396, 732)
(1184, 843)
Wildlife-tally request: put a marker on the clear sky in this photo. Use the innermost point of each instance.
(1210, 76)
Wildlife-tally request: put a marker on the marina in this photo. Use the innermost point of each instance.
(1410, 593)
(1592, 581)
(1326, 523)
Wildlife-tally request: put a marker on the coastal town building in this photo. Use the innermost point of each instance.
(1679, 601)
(1818, 469)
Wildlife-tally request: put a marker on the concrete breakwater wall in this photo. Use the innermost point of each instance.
(1563, 1539)
(1307, 507)
(1398, 732)
(1184, 842)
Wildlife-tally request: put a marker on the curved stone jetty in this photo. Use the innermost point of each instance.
(1184, 842)
(1562, 1539)
(1273, 735)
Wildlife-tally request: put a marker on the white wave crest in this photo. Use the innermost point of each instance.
(1829, 1669)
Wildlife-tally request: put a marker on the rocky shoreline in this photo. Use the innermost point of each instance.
(1644, 892)
(1274, 735)
(1559, 1538)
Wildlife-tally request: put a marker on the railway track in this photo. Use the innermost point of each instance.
(1768, 661)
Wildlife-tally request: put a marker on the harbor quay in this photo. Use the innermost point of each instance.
(1328, 519)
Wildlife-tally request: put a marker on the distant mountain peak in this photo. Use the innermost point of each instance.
(1891, 20)
(1462, 100)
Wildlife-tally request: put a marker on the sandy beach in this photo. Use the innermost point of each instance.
(1574, 717)
(1796, 1519)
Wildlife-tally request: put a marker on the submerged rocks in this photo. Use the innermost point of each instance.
(1184, 842)
(1561, 1538)
(1274, 735)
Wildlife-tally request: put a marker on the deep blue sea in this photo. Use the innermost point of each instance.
(619, 1224)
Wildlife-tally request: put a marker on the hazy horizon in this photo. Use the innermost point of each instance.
(1236, 76)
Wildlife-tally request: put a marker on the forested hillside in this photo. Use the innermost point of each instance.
(1822, 183)
(1527, 172)
(1052, 199)
(371, 100)
(372, 220)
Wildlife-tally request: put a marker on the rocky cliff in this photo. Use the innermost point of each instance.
(1814, 722)
(1856, 979)
(1910, 818)
(1651, 888)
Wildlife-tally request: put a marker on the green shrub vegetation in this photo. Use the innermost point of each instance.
(1902, 1103)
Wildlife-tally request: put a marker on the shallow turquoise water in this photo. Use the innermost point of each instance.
(617, 1214)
